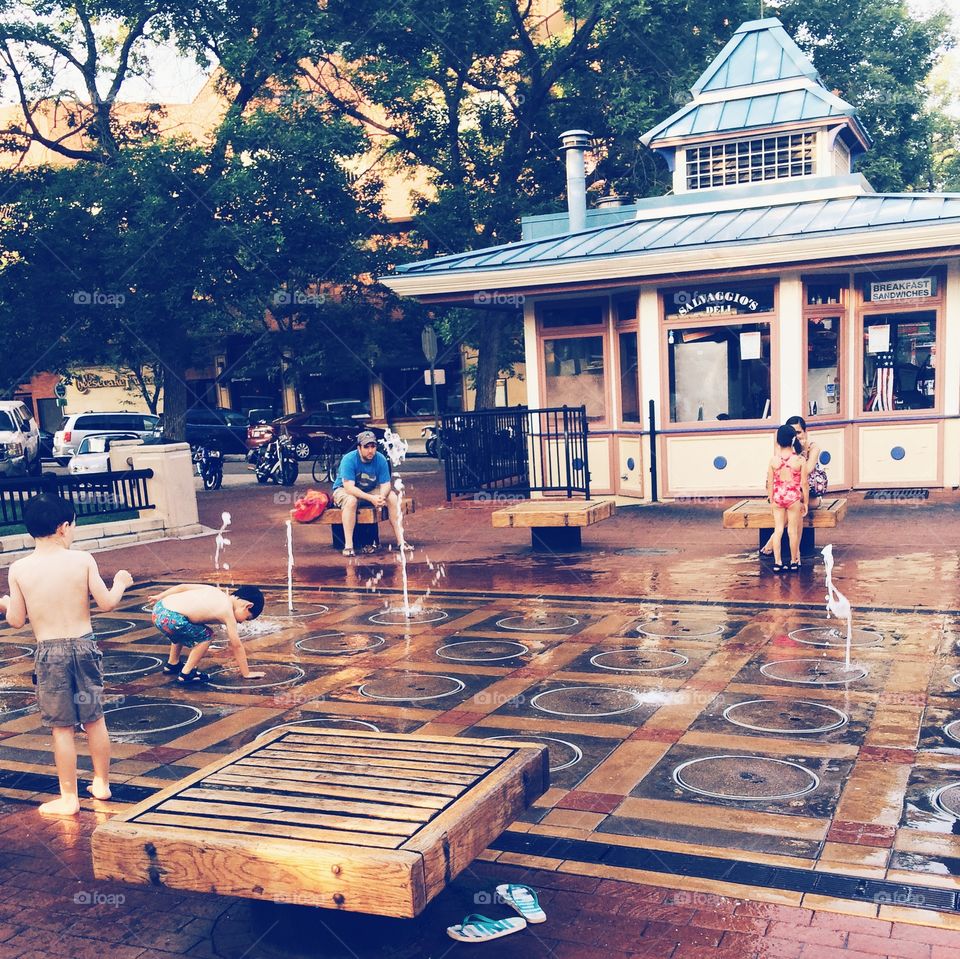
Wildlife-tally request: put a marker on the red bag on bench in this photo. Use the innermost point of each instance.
(310, 506)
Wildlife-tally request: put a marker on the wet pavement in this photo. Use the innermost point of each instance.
(722, 783)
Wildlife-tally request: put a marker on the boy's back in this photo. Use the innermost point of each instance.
(56, 591)
(200, 603)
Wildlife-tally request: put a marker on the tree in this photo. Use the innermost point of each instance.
(469, 92)
(155, 249)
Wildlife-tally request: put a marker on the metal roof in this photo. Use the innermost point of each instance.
(829, 216)
(745, 113)
(760, 51)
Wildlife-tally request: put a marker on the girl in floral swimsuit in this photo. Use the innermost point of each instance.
(788, 492)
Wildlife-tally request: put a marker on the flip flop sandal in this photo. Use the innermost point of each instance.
(524, 900)
(349, 551)
(368, 550)
(778, 567)
(476, 928)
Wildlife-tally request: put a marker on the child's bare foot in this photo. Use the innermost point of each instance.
(99, 788)
(63, 806)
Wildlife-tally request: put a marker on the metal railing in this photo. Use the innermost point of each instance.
(516, 451)
(92, 494)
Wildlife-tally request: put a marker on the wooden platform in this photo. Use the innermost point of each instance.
(758, 514)
(367, 530)
(365, 822)
(554, 524)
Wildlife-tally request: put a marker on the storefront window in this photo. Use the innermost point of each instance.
(899, 361)
(573, 373)
(823, 365)
(629, 383)
(719, 373)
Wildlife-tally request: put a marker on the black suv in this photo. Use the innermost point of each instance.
(226, 428)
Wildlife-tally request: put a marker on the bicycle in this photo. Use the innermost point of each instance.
(326, 462)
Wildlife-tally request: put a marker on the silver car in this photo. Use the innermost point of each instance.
(76, 426)
(19, 440)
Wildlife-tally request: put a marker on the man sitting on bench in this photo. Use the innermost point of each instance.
(364, 474)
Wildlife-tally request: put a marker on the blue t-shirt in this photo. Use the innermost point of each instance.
(367, 476)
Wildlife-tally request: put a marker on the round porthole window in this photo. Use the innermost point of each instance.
(824, 458)
(898, 453)
(720, 463)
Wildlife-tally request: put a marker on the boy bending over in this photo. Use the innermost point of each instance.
(52, 587)
(182, 614)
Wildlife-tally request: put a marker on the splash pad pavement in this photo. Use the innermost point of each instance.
(719, 774)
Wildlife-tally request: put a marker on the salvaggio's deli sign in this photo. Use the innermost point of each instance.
(715, 301)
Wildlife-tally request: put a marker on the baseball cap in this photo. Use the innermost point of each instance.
(365, 437)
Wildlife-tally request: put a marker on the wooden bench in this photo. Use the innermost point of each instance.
(364, 822)
(758, 514)
(367, 530)
(555, 525)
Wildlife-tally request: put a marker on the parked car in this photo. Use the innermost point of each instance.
(262, 415)
(19, 440)
(308, 431)
(78, 425)
(46, 445)
(93, 453)
(226, 428)
(352, 409)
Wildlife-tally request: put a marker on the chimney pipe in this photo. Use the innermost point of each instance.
(576, 143)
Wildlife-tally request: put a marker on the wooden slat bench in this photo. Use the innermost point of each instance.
(367, 530)
(555, 525)
(364, 822)
(758, 514)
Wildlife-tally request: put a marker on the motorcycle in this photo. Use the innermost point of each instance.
(430, 432)
(275, 462)
(208, 459)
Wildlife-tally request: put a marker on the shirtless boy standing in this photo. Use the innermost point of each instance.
(52, 587)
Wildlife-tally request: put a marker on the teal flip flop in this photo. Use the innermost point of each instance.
(524, 900)
(476, 928)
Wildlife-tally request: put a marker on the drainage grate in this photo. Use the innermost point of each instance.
(897, 495)
(728, 870)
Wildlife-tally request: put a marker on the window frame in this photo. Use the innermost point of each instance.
(821, 311)
(730, 175)
(709, 321)
(585, 331)
(865, 309)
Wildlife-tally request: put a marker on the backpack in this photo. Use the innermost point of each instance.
(310, 506)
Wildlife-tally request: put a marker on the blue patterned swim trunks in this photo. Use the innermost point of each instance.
(177, 628)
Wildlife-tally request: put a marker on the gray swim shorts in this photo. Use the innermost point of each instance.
(69, 681)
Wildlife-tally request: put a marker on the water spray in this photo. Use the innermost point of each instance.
(837, 604)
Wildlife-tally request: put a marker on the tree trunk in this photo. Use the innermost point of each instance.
(174, 402)
(488, 361)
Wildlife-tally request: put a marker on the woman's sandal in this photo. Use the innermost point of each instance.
(349, 551)
(778, 567)
(794, 567)
(476, 928)
(524, 900)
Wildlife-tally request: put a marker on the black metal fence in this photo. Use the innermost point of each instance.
(92, 494)
(516, 451)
